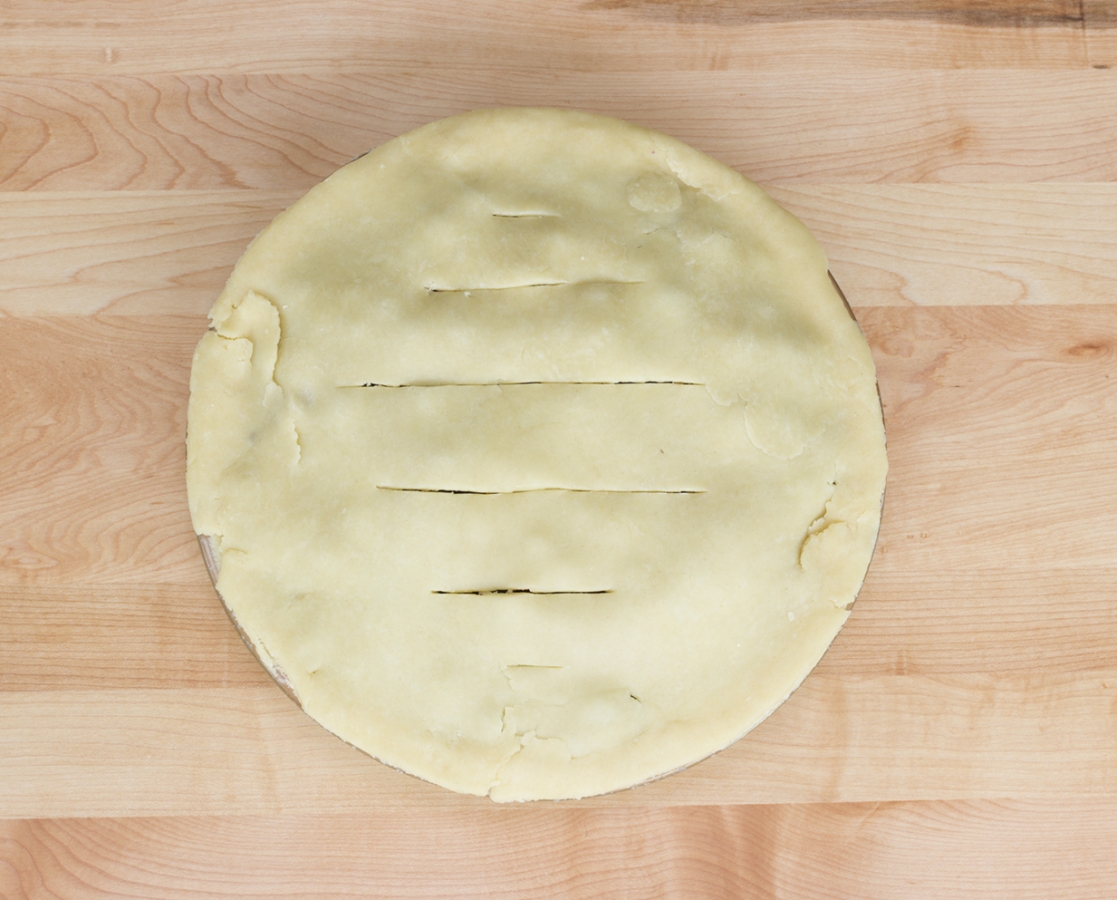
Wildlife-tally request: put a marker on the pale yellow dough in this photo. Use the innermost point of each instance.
(540, 455)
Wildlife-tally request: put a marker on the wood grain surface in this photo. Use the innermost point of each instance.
(212, 132)
(818, 851)
(495, 39)
(958, 161)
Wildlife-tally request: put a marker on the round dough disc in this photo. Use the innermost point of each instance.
(538, 451)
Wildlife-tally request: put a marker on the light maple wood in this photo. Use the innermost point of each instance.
(965, 245)
(152, 252)
(93, 453)
(969, 701)
(1000, 428)
(214, 131)
(1005, 623)
(1052, 850)
(841, 738)
(116, 636)
(94, 37)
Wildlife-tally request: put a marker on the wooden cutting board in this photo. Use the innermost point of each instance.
(958, 162)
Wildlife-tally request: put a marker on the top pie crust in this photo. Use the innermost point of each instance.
(539, 453)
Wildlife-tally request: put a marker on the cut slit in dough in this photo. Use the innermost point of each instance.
(536, 453)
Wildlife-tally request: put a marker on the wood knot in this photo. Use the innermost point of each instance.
(962, 138)
(1089, 350)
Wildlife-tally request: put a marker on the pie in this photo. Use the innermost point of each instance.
(537, 452)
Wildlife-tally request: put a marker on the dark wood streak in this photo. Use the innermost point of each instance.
(976, 13)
